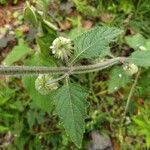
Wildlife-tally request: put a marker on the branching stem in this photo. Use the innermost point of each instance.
(34, 70)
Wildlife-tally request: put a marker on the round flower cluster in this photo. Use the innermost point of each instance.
(62, 48)
(130, 69)
(44, 85)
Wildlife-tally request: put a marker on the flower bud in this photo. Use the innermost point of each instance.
(61, 48)
(44, 85)
(130, 69)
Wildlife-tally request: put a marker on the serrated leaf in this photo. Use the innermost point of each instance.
(135, 41)
(140, 58)
(17, 53)
(94, 42)
(118, 79)
(71, 107)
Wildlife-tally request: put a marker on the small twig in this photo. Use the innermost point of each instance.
(58, 79)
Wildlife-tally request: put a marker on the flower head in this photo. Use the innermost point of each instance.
(44, 85)
(61, 48)
(130, 69)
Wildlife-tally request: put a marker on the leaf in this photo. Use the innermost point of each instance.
(17, 53)
(43, 102)
(31, 118)
(42, 5)
(20, 142)
(94, 42)
(135, 41)
(140, 123)
(140, 58)
(144, 83)
(147, 44)
(29, 15)
(148, 140)
(45, 43)
(3, 128)
(117, 80)
(50, 25)
(71, 107)
(75, 32)
(5, 95)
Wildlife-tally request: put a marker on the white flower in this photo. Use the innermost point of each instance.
(130, 69)
(61, 48)
(43, 84)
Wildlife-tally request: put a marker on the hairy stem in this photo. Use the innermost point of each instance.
(34, 70)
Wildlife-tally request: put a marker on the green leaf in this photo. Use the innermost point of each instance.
(45, 43)
(148, 140)
(135, 41)
(140, 58)
(20, 142)
(140, 123)
(94, 42)
(31, 118)
(50, 25)
(3, 129)
(5, 95)
(43, 102)
(29, 15)
(118, 79)
(75, 32)
(42, 5)
(70, 102)
(144, 83)
(17, 53)
(147, 44)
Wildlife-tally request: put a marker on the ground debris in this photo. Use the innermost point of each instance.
(100, 142)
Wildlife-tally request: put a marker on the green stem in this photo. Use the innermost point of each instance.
(34, 70)
(128, 104)
(131, 93)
